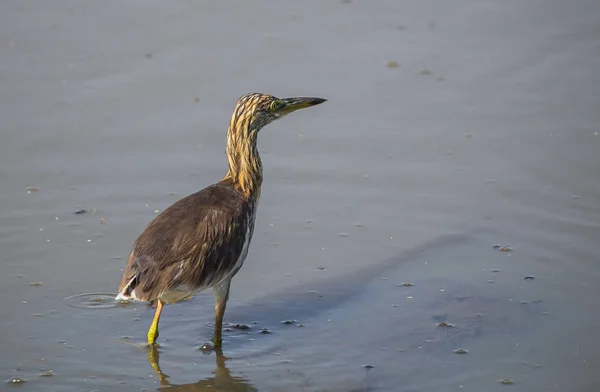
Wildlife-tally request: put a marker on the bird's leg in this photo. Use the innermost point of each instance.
(153, 331)
(221, 294)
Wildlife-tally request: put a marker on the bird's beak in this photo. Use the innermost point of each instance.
(293, 104)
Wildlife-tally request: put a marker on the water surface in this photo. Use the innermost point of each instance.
(486, 133)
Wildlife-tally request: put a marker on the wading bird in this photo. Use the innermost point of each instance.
(202, 240)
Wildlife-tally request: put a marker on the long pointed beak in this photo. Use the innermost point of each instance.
(293, 104)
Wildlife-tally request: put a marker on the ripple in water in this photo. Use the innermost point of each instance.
(96, 301)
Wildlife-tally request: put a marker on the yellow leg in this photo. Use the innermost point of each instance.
(153, 331)
(221, 294)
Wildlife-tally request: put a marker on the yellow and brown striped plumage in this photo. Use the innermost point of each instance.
(202, 240)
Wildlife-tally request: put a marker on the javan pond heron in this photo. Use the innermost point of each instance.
(202, 240)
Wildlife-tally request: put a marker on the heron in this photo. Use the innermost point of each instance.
(201, 241)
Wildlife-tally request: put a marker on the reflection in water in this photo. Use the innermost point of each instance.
(222, 381)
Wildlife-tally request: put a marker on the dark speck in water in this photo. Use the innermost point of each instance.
(529, 278)
(288, 322)
(460, 351)
(80, 211)
(444, 324)
(207, 348)
(405, 284)
(506, 381)
(243, 327)
(265, 331)
(369, 366)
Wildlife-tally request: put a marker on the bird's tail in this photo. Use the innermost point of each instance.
(127, 291)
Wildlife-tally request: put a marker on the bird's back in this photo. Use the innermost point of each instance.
(193, 244)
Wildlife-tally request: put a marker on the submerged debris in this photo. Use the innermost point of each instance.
(243, 327)
(444, 324)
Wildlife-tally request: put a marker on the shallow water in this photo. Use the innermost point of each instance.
(404, 175)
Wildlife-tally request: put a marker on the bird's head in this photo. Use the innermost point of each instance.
(253, 111)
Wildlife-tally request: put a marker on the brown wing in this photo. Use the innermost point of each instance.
(196, 241)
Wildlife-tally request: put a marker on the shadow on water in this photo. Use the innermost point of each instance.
(364, 330)
(222, 380)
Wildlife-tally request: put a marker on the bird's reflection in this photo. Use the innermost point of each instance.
(222, 380)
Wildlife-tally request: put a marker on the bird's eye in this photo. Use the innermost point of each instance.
(276, 105)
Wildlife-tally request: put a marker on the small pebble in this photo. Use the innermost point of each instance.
(102, 221)
(35, 284)
(242, 327)
(321, 268)
(405, 284)
(156, 211)
(265, 331)
(288, 322)
(393, 64)
(207, 348)
(426, 71)
(16, 380)
(460, 351)
(506, 381)
(32, 189)
(196, 99)
(300, 325)
(444, 324)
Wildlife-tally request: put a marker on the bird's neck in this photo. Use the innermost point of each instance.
(245, 166)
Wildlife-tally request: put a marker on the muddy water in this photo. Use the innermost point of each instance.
(485, 132)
